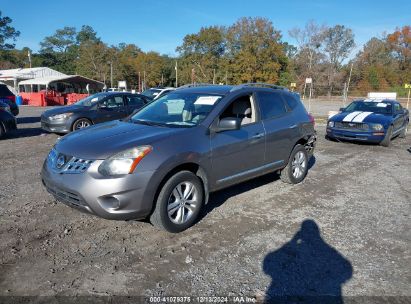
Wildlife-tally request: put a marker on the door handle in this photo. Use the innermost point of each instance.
(292, 127)
(257, 136)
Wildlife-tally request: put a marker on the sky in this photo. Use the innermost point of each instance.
(161, 25)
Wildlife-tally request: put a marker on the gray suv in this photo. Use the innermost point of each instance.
(162, 162)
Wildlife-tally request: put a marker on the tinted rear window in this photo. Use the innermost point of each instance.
(271, 104)
(4, 91)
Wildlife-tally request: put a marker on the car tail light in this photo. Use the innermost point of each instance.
(312, 120)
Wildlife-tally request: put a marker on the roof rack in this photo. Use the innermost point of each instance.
(258, 84)
(197, 84)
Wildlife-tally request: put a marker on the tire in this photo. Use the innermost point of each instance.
(81, 124)
(387, 139)
(403, 133)
(170, 196)
(2, 131)
(297, 166)
(327, 137)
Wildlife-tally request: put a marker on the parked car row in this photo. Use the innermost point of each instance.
(136, 157)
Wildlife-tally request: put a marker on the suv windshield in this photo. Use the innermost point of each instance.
(90, 100)
(370, 106)
(177, 110)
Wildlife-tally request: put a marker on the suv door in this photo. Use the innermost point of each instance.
(238, 154)
(280, 127)
(111, 108)
(134, 102)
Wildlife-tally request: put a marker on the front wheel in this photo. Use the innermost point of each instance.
(387, 139)
(81, 124)
(179, 202)
(297, 166)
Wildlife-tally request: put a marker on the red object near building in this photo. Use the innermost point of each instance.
(54, 91)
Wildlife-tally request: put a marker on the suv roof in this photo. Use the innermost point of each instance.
(225, 89)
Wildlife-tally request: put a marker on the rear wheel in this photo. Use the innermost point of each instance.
(81, 124)
(179, 202)
(297, 166)
(387, 139)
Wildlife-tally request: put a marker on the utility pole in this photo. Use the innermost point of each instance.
(349, 79)
(139, 82)
(162, 79)
(193, 75)
(111, 74)
(29, 55)
(213, 76)
(309, 98)
(226, 74)
(176, 68)
(144, 77)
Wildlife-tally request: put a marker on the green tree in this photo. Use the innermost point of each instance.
(7, 32)
(254, 51)
(59, 51)
(201, 54)
(338, 44)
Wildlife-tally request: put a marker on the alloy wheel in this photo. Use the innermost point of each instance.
(182, 202)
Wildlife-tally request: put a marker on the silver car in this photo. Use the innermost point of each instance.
(162, 162)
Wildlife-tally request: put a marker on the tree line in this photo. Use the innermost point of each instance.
(250, 50)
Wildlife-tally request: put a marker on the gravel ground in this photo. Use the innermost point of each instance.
(344, 231)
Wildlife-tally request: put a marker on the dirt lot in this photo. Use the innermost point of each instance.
(344, 231)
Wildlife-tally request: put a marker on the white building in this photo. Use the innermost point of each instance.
(12, 77)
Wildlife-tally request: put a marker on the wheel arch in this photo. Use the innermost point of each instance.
(195, 168)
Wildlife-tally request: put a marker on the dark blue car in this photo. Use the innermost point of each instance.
(369, 120)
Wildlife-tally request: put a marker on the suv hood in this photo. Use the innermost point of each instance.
(104, 140)
(64, 109)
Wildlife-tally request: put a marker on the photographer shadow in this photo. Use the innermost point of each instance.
(306, 269)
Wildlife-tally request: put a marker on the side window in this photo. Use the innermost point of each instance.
(271, 104)
(243, 108)
(135, 101)
(113, 102)
(397, 108)
(291, 100)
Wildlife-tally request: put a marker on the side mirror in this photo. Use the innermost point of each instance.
(342, 109)
(228, 123)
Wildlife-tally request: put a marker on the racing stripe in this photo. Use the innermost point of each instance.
(361, 117)
(351, 116)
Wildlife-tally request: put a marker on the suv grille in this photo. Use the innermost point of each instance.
(67, 164)
(352, 126)
(77, 165)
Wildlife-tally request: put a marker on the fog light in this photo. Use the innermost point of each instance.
(109, 202)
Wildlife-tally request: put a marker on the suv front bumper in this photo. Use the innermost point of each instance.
(121, 198)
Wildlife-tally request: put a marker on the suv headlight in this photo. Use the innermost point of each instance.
(60, 116)
(377, 127)
(124, 162)
(331, 124)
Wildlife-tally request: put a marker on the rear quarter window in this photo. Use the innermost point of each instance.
(291, 100)
(271, 104)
